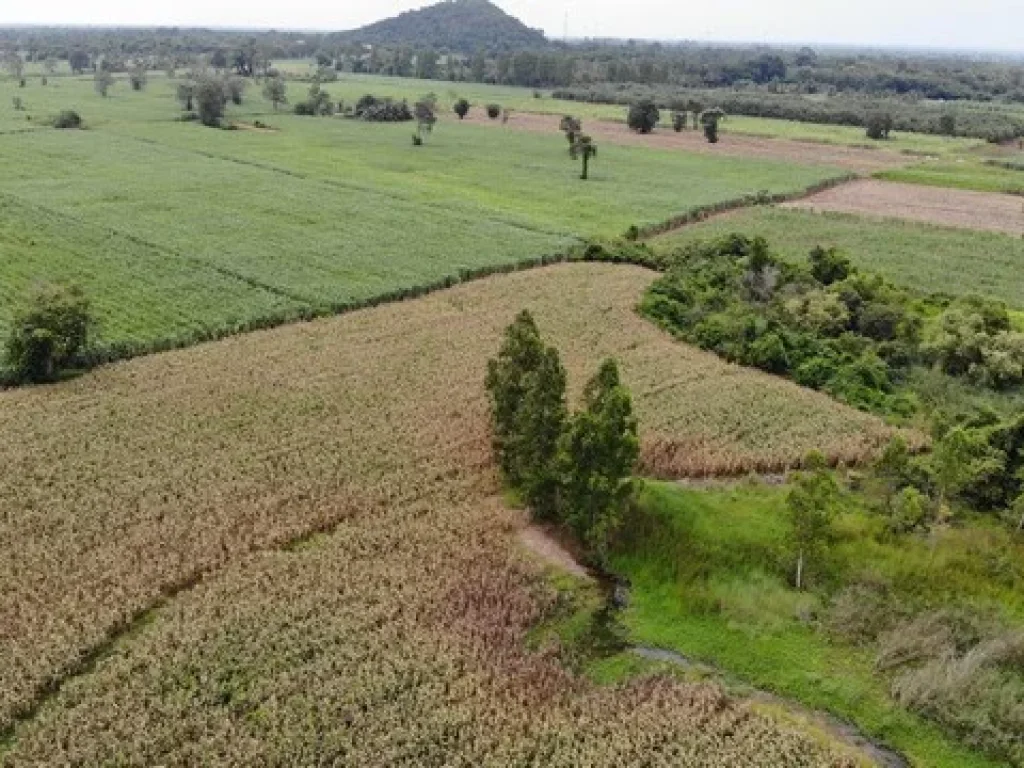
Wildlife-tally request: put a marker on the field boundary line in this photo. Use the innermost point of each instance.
(705, 212)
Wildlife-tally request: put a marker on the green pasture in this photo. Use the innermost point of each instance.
(315, 213)
(709, 569)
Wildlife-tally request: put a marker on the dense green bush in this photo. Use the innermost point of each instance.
(48, 332)
(67, 119)
(375, 110)
(829, 326)
(643, 116)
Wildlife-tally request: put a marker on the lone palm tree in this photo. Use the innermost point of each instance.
(585, 149)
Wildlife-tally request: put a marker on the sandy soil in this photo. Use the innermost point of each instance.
(858, 160)
(935, 205)
(538, 541)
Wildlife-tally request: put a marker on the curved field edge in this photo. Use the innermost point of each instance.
(129, 482)
(170, 289)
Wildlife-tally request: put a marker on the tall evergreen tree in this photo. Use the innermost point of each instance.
(598, 452)
(521, 353)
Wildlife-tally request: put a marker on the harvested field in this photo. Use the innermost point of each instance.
(855, 159)
(949, 207)
(141, 479)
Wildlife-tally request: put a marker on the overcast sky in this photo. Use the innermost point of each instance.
(980, 24)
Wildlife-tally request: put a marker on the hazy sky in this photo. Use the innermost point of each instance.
(985, 24)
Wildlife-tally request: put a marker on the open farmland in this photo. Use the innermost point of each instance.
(131, 483)
(856, 159)
(949, 207)
(916, 255)
(359, 212)
(351, 86)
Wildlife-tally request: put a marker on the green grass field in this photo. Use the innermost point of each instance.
(960, 173)
(920, 256)
(317, 213)
(706, 569)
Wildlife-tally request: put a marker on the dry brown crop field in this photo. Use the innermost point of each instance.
(961, 208)
(183, 480)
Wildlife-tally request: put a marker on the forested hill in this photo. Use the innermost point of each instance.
(457, 25)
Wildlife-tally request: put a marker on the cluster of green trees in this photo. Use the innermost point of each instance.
(571, 469)
(49, 331)
(377, 110)
(992, 122)
(831, 327)
(204, 96)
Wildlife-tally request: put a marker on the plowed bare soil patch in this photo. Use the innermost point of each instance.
(865, 161)
(936, 205)
(396, 639)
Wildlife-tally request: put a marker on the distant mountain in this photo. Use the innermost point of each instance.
(459, 25)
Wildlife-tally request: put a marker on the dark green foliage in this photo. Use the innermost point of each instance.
(48, 333)
(493, 111)
(572, 127)
(598, 452)
(67, 118)
(460, 25)
(678, 121)
(575, 473)
(210, 100)
(878, 125)
(423, 110)
(643, 116)
(540, 421)
(375, 110)
(461, 108)
(829, 265)
(710, 119)
(521, 353)
(973, 339)
(829, 326)
(275, 91)
(317, 102)
(585, 149)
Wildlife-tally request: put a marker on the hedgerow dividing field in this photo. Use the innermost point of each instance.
(140, 479)
(919, 256)
(315, 215)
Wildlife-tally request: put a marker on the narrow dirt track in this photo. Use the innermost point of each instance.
(934, 205)
(865, 161)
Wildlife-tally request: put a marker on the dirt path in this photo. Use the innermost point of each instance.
(541, 543)
(865, 161)
(935, 205)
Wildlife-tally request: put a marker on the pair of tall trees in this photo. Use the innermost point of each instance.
(571, 469)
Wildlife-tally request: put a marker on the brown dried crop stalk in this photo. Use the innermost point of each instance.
(398, 638)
